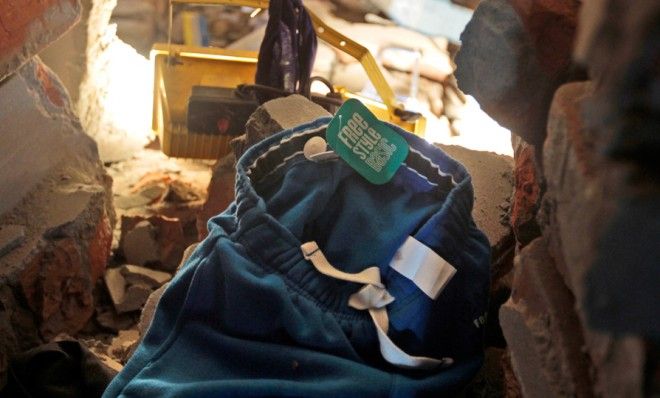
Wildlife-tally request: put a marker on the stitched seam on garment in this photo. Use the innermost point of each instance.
(440, 172)
(420, 174)
(253, 165)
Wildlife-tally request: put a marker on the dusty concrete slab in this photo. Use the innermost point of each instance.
(492, 179)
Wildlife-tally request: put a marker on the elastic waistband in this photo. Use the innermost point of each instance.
(277, 249)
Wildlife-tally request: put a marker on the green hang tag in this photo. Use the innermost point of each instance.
(368, 145)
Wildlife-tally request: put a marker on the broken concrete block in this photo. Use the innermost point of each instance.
(39, 130)
(576, 202)
(49, 159)
(134, 275)
(492, 177)
(125, 297)
(132, 201)
(149, 310)
(111, 320)
(11, 236)
(29, 27)
(514, 55)
(116, 285)
(139, 244)
(180, 192)
(274, 116)
(156, 241)
(220, 192)
(134, 298)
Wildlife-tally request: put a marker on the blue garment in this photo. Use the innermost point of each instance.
(248, 316)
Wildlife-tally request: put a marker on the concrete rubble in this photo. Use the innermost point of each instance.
(515, 59)
(547, 352)
(29, 27)
(156, 241)
(270, 118)
(55, 193)
(123, 345)
(623, 42)
(506, 64)
(129, 286)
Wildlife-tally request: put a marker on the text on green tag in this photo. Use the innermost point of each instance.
(368, 145)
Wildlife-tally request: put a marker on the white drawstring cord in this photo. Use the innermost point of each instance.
(374, 297)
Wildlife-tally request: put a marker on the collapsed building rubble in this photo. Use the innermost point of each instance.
(83, 257)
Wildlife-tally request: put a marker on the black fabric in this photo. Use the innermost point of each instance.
(65, 369)
(287, 52)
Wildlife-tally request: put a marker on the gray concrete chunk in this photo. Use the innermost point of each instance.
(140, 275)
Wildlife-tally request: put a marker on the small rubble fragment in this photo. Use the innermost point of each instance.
(125, 297)
(129, 287)
(136, 275)
(139, 244)
(122, 346)
(156, 241)
(116, 285)
(109, 319)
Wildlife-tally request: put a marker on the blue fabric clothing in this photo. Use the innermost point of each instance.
(248, 316)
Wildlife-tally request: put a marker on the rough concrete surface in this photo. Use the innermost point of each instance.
(39, 129)
(54, 186)
(155, 241)
(581, 194)
(492, 179)
(505, 61)
(27, 27)
(543, 330)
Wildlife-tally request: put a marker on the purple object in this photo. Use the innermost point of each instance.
(287, 52)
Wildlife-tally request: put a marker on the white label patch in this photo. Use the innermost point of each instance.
(423, 266)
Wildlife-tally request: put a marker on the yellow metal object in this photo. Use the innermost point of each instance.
(179, 67)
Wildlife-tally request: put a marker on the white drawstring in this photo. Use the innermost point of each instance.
(373, 296)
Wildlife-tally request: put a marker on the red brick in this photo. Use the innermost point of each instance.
(26, 27)
(99, 248)
(526, 196)
(550, 21)
(57, 289)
